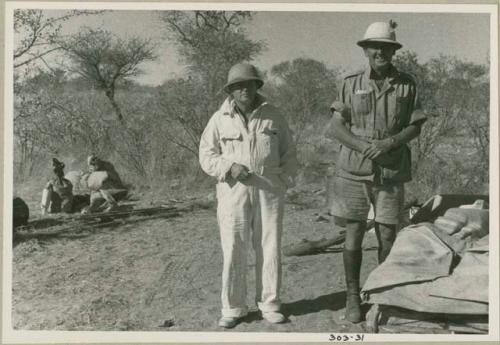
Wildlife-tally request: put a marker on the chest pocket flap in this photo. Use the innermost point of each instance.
(230, 141)
(361, 102)
(230, 134)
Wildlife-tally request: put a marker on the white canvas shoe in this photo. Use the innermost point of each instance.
(228, 322)
(273, 317)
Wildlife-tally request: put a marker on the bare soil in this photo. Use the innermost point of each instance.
(164, 274)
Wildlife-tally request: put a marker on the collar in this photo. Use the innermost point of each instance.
(391, 76)
(229, 106)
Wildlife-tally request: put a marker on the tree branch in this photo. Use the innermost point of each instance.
(36, 57)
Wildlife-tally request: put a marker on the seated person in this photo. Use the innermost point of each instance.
(57, 195)
(106, 187)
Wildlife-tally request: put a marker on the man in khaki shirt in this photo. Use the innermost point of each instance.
(376, 114)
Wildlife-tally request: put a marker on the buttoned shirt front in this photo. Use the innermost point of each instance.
(377, 113)
(263, 142)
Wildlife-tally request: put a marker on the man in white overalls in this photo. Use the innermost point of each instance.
(247, 145)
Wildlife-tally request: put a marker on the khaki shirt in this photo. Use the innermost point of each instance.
(373, 113)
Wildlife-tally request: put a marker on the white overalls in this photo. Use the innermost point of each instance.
(249, 212)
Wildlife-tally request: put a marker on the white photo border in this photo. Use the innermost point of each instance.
(14, 336)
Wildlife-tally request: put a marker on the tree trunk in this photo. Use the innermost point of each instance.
(110, 93)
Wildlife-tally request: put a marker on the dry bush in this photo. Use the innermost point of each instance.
(452, 153)
(156, 149)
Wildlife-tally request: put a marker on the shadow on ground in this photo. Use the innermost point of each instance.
(252, 317)
(333, 301)
(45, 223)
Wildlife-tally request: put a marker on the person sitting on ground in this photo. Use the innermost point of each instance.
(57, 195)
(106, 187)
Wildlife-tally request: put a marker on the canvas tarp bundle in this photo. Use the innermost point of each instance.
(469, 281)
(427, 280)
(417, 255)
(438, 204)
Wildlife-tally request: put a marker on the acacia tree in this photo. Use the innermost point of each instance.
(209, 43)
(36, 33)
(105, 60)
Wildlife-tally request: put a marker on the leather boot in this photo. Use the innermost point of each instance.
(382, 253)
(352, 267)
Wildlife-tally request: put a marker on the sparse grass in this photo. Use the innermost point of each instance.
(137, 276)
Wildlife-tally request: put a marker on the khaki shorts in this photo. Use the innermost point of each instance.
(351, 200)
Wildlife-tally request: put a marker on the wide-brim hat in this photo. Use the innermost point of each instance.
(382, 32)
(243, 72)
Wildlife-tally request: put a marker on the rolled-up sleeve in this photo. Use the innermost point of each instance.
(288, 155)
(342, 103)
(210, 154)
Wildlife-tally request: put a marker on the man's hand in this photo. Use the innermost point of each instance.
(239, 172)
(378, 147)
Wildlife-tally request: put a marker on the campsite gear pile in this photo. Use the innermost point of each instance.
(436, 275)
(20, 212)
(70, 225)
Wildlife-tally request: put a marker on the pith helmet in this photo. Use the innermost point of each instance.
(243, 72)
(381, 32)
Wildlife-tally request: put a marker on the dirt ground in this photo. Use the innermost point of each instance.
(164, 274)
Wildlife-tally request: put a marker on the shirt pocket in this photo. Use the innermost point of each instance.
(361, 103)
(230, 140)
(268, 144)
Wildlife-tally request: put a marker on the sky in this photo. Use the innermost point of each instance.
(329, 37)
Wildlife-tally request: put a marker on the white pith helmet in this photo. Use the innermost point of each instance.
(381, 32)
